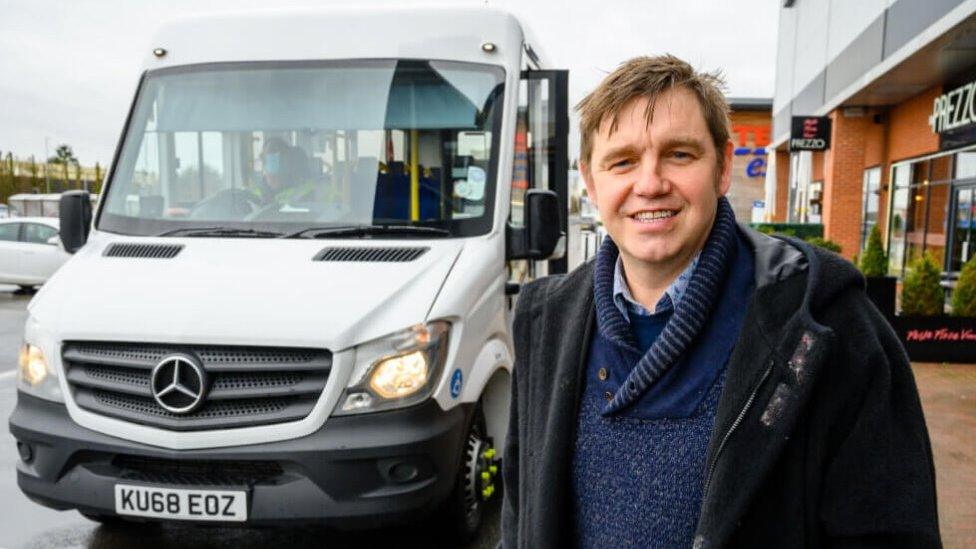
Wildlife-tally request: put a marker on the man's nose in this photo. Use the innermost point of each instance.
(650, 179)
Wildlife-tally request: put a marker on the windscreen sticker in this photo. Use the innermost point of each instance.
(457, 381)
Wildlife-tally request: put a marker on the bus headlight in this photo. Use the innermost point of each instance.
(35, 376)
(396, 371)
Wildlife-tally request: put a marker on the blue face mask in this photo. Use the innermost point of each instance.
(272, 163)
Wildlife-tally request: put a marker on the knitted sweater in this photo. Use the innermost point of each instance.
(637, 476)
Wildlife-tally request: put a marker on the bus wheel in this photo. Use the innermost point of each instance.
(476, 482)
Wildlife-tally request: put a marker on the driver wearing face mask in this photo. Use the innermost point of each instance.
(285, 176)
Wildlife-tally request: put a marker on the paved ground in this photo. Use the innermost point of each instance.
(949, 398)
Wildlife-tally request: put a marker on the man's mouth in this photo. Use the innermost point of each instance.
(648, 216)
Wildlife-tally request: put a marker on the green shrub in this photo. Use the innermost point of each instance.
(964, 296)
(825, 244)
(874, 262)
(921, 293)
(800, 230)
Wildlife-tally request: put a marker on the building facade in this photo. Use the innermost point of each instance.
(895, 83)
(751, 133)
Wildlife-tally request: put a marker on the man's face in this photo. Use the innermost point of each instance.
(657, 186)
(271, 166)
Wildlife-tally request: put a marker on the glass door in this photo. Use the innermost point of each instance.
(541, 159)
(962, 228)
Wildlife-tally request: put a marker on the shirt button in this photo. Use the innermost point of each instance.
(602, 374)
(608, 395)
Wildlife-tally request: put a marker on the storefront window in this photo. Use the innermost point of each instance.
(801, 167)
(965, 166)
(869, 201)
(899, 215)
(936, 212)
(962, 237)
(815, 201)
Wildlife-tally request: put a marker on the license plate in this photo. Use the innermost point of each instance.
(181, 504)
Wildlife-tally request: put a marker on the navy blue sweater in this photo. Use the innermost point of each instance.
(637, 475)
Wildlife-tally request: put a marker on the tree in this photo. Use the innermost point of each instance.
(64, 157)
(33, 173)
(874, 262)
(97, 187)
(828, 245)
(964, 295)
(921, 292)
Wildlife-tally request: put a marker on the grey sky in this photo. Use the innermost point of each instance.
(68, 69)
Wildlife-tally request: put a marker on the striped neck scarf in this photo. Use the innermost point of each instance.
(687, 321)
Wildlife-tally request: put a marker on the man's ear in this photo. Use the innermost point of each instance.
(584, 171)
(725, 178)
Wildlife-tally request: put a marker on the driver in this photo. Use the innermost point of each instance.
(285, 175)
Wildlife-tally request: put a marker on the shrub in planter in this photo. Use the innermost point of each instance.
(921, 293)
(964, 296)
(874, 262)
(825, 244)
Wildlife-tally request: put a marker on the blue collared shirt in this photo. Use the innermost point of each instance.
(626, 303)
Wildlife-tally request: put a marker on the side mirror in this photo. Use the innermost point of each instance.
(540, 235)
(54, 240)
(76, 218)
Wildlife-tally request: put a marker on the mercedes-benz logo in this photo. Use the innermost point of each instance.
(178, 384)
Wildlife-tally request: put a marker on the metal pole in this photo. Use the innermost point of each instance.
(414, 176)
(47, 178)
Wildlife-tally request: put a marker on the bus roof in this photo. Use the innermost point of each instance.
(443, 33)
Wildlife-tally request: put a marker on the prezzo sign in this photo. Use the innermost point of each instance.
(954, 109)
(810, 133)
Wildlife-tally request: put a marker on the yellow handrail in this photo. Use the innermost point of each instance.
(414, 176)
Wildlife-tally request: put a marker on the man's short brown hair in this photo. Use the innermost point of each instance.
(649, 77)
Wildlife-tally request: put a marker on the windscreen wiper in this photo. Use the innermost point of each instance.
(227, 232)
(357, 231)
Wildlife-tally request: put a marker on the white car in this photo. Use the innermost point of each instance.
(30, 250)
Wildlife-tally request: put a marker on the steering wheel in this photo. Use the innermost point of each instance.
(226, 204)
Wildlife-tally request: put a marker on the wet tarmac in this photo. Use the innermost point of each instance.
(25, 524)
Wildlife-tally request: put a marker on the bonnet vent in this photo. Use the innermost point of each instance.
(151, 251)
(371, 255)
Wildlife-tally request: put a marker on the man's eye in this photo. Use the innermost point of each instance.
(680, 155)
(620, 164)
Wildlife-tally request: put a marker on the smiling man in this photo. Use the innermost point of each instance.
(699, 383)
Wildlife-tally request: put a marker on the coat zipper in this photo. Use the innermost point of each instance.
(733, 427)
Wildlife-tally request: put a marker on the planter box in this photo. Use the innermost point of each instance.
(937, 338)
(881, 292)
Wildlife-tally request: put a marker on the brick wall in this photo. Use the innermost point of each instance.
(817, 162)
(782, 186)
(909, 133)
(843, 179)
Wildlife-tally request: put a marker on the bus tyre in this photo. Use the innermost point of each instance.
(476, 481)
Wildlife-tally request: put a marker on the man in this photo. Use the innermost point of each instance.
(699, 383)
(285, 174)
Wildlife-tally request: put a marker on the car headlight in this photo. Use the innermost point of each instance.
(396, 371)
(35, 376)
